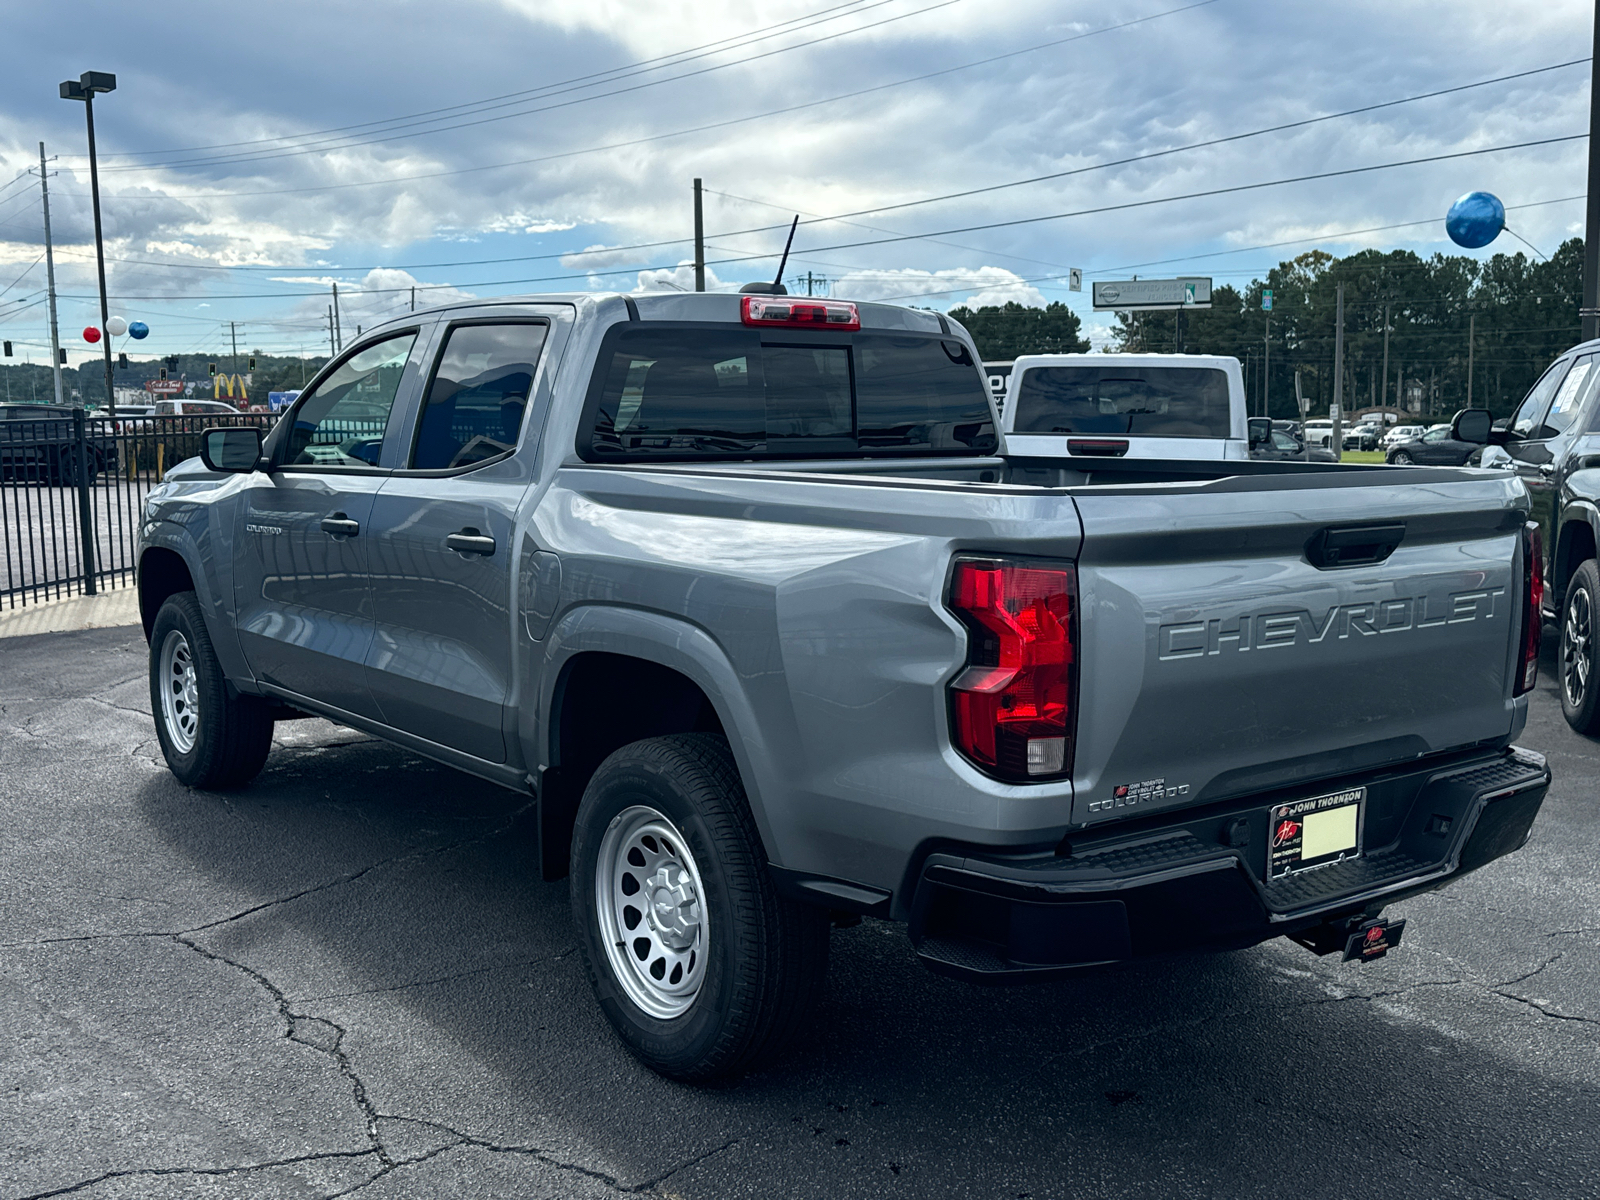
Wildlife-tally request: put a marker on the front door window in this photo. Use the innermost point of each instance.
(340, 425)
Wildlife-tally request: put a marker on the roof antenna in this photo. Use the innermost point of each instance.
(775, 288)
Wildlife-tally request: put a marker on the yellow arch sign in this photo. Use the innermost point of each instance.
(219, 382)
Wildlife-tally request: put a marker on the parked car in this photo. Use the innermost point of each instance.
(739, 592)
(193, 408)
(39, 442)
(1438, 447)
(1284, 448)
(1401, 433)
(1361, 437)
(1319, 433)
(1126, 406)
(1553, 442)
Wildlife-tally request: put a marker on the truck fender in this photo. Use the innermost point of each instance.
(1576, 539)
(666, 641)
(182, 540)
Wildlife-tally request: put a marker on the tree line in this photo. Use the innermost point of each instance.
(30, 383)
(1517, 312)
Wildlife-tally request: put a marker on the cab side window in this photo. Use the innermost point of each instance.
(1570, 398)
(340, 424)
(478, 397)
(1526, 421)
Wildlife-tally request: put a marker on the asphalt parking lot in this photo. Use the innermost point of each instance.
(346, 979)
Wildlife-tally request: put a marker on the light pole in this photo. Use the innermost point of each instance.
(83, 88)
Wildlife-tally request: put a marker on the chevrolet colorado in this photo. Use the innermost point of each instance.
(740, 589)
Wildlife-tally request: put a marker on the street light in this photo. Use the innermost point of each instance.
(83, 88)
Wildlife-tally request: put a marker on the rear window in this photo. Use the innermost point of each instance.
(689, 392)
(1131, 401)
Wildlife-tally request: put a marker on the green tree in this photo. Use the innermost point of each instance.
(1013, 329)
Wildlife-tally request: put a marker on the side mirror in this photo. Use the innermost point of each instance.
(1260, 430)
(234, 450)
(1472, 425)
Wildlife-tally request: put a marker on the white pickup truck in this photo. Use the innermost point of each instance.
(1189, 406)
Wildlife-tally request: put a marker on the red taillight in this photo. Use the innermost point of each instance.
(797, 313)
(1013, 706)
(1532, 608)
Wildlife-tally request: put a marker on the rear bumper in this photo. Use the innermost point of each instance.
(1198, 880)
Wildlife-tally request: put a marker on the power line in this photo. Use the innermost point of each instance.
(843, 217)
(351, 143)
(763, 30)
(698, 128)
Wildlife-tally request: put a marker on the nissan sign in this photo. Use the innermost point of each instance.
(1189, 292)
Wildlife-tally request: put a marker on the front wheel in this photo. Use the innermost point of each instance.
(701, 967)
(210, 738)
(1579, 701)
(1402, 459)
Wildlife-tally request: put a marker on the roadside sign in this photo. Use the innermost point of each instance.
(1266, 299)
(1075, 279)
(278, 401)
(1185, 292)
(163, 387)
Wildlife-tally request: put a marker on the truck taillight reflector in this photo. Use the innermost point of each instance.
(1532, 607)
(1013, 707)
(797, 313)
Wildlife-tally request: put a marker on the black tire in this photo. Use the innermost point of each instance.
(1401, 459)
(1578, 660)
(765, 957)
(212, 737)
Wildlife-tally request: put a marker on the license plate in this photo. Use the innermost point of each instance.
(1321, 831)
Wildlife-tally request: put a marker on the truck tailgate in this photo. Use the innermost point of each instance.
(1217, 660)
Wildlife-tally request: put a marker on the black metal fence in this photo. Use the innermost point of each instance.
(72, 491)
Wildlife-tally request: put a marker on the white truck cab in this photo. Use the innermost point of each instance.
(1126, 406)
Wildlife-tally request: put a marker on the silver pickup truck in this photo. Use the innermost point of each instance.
(738, 588)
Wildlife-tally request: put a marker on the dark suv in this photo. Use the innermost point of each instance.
(37, 442)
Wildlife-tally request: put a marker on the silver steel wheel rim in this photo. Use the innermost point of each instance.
(652, 914)
(180, 692)
(1403, 459)
(1575, 650)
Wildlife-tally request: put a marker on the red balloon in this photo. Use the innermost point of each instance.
(91, 334)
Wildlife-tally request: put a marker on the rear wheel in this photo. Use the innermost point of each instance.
(1580, 695)
(701, 968)
(211, 737)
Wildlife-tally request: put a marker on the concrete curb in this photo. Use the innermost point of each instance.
(108, 609)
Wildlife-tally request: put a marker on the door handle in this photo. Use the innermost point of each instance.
(470, 541)
(340, 525)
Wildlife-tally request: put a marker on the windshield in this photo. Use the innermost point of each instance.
(1189, 402)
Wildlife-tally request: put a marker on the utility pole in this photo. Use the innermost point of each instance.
(1336, 442)
(413, 297)
(1266, 368)
(338, 333)
(1590, 309)
(233, 332)
(333, 345)
(1472, 336)
(1383, 401)
(50, 276)
(700, 240)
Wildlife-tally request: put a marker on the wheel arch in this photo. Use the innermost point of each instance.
(612, 676)
(1576, 542)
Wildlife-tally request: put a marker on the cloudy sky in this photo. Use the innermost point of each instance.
(253, 156)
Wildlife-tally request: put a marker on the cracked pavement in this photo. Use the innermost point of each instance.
(346, 979)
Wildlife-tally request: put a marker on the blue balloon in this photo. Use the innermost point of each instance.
(1475, 220)
(138, 329)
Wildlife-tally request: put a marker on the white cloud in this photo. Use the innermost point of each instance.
(598, 257)
(971, 286)
(680, 279)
